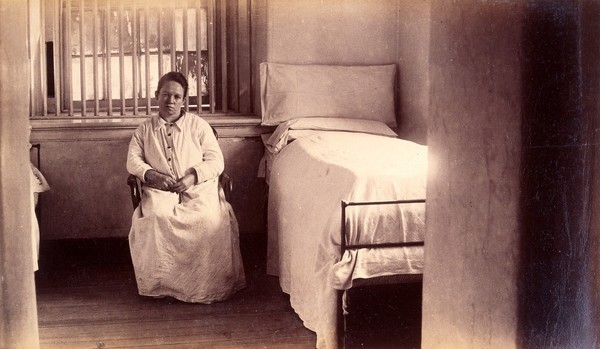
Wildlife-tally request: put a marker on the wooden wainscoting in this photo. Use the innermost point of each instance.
(84, 163)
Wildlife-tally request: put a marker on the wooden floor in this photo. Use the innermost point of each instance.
(87, 298)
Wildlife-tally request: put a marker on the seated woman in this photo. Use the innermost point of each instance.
(184, 237)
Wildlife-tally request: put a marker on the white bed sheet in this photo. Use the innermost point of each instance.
(308, 179)
(264, 168)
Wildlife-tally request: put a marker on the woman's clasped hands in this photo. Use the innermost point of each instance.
(164, 182)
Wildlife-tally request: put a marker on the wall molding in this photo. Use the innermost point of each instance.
(121, 128)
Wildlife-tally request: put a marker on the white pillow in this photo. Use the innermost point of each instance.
(290, 91)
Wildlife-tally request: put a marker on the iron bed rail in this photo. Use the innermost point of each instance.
(344, 246)
(390, 279)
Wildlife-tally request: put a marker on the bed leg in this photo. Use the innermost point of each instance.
(341, 319)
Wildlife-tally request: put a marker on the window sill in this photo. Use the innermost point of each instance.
(51, 128)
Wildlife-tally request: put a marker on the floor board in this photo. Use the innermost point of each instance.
(87, 298)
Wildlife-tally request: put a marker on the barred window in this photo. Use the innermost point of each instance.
(104, 57)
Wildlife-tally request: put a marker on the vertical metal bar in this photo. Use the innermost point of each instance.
(341, 317)
(173, 37)
(224, 77)
(58, 48)
(343, 228)
(43, 64)
(95, 56)
(198, 56)
(147, 57)
(235, 73)
(82, 56)
(185, 49)
(248, 77)
(121, 58)
(68, 55)
(160, 40)
(32, 108)
(244, 60)
(108, 79)
(134, 57)
(211, 54)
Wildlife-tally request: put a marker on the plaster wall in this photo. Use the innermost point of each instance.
(354, 32)
(471, 256)
(511, 229)
(18, 312)
(89, 197)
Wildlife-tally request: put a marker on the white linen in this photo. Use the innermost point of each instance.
(38, 185)
(309, 178)
(183, 245)
(299, 128)
(264, 167)
(293, 129)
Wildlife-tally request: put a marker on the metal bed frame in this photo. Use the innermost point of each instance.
(382, 280)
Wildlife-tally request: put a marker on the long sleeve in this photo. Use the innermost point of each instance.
(136, 164)
(212, 164)
(175, 148)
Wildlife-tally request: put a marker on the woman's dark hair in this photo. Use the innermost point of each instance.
(176, 77)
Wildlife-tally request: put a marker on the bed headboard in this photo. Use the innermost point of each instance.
(290, 91)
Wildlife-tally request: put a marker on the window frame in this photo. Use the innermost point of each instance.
(232, 97)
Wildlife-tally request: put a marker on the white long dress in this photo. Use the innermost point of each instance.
(38, 185)
(185, 246)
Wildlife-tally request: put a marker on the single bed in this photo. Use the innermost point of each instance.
(335, 181)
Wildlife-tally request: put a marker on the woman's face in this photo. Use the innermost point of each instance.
(170, 100)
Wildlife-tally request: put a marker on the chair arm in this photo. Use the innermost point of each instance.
(135, 190)
(227, 185)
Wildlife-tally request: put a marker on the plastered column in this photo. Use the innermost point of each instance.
(471, 255)
(511, 253)
(18, 315)
(559, 51)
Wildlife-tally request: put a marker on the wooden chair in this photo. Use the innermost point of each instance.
(135, 185)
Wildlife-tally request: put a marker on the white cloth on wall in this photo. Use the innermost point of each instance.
(38, 185)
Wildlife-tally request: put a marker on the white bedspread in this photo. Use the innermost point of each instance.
(309, 178)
